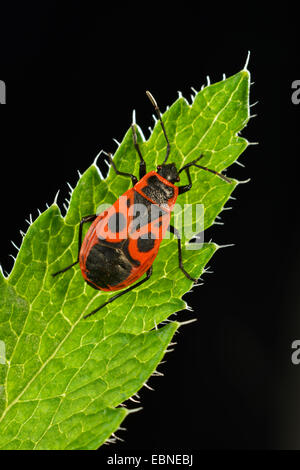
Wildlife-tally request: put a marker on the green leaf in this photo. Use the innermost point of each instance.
(64, 378)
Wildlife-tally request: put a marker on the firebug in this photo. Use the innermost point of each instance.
(116, 251)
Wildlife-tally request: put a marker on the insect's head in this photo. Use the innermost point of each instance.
(169, 172)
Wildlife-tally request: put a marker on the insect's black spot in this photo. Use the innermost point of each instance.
(128, 202)
(140, 212)
(146, 244)
(144, 212)
(125, 249)
(116, 222)
(107, 265)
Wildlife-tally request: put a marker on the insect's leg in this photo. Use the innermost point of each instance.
(186, 187)
(193, 163)
(133, 178)
(158, 114)
(143, 170)
(88, 218)
(148, 275)
(177, 234)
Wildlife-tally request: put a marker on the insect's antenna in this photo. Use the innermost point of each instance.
(158, 114)
(193, 163)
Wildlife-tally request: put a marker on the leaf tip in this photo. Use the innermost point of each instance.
(56, 197)
(225, 246)
(245, 68)
(133, 117)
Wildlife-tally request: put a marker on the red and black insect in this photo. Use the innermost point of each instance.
(123, 241)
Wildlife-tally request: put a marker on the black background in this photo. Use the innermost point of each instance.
(73, 78)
